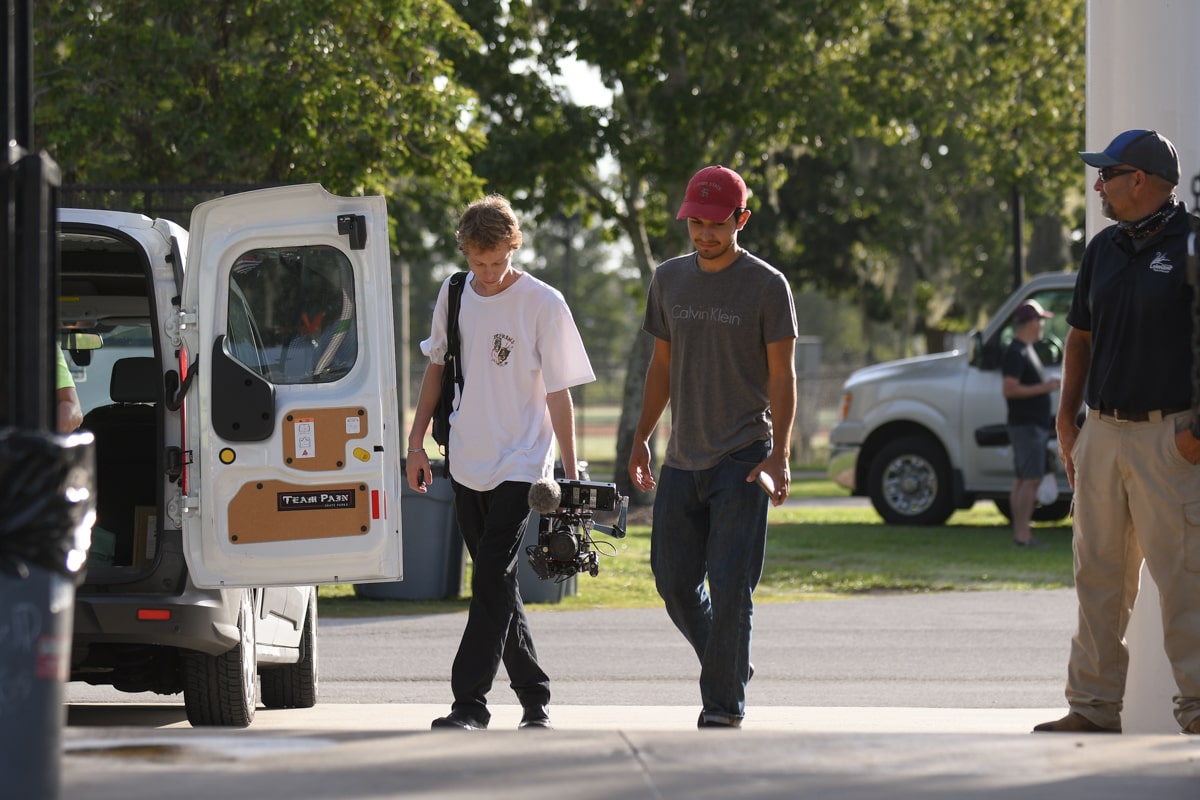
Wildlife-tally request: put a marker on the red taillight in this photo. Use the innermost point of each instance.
(154, 614)
(845, 405)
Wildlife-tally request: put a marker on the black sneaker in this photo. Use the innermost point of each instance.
(535, 717)
(459, 720)
(718, 722)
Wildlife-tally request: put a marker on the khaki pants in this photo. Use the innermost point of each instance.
(1135, 497)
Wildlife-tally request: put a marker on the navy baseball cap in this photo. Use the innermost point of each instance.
(1149, 151)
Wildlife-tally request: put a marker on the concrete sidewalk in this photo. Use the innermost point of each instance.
(362, 752)
(928, 695)
(385, 718)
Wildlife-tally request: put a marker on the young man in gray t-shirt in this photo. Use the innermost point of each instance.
(724, 329)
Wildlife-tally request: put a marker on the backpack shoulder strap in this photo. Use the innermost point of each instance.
(458, 282)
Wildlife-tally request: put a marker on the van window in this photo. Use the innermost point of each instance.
(291, 314)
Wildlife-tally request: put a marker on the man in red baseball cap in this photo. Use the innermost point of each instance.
(724, 329)
(714, 193)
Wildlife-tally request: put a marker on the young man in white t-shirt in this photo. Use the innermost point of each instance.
(521, 354)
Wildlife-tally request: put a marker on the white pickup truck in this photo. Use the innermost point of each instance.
(925, 436)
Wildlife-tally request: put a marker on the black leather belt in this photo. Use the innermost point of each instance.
(1136, 416)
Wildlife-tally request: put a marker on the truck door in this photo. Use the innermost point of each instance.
(291, 415)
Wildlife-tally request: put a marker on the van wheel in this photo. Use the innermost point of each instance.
(223, 690)
(909, 482)
(295, 685)
(1056, 511)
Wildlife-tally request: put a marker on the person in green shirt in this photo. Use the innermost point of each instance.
(66, 399)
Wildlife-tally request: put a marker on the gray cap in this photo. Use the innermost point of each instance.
(1149, 151)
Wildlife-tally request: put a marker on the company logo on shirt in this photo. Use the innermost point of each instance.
(1161, 263)
(713, 314)
(502, 347)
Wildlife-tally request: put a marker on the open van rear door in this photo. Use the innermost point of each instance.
(291, 415)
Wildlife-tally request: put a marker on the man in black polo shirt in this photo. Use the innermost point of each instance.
(1128, 354)
(1030, 424)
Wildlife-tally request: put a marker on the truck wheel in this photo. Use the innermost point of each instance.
(295, 685)
(223, 690)
(1058, 510)
(909, 483)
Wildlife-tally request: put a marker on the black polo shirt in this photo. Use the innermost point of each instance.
(1021, 362)
(1134, 297)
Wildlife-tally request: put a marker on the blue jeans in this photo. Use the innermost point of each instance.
(492, 524)
(711, 523)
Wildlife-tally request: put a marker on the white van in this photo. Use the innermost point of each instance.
(245, 410)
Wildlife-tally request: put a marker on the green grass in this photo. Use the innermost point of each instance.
(811, 553)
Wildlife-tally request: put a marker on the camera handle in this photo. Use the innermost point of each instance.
(617, 529)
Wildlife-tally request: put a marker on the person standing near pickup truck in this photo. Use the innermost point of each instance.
(1030, 423)
(1133, 466)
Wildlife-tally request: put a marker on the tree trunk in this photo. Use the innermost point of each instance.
(631, 409)
(635, 372)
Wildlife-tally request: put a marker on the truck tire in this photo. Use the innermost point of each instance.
(909, 482)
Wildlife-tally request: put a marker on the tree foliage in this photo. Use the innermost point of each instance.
(356, 96)
(884, 142)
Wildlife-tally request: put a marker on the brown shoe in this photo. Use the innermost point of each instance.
(1073, 723)
(1193, 727)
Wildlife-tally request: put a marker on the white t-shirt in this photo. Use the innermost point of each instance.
(517, 346)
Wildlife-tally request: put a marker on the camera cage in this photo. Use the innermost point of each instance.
(564, 544)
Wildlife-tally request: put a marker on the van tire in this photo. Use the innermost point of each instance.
(223, 690)
(295, 685)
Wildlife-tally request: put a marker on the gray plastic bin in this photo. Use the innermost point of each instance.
(433, 549)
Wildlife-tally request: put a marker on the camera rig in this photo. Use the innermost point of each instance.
(564, 544)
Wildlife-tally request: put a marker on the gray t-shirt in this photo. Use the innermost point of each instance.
(719, 325)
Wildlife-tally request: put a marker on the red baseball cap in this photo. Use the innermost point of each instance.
(713, 193)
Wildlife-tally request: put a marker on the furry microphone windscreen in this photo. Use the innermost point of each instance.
(544, 496)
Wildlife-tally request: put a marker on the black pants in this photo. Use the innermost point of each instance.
(492, 525)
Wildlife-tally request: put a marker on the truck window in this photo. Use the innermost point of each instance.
(1058, 303)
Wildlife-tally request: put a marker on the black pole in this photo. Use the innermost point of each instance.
(1193, 273)
(1018, 222)
(47, 483)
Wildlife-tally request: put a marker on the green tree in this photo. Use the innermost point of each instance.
(356, 96)
(692, 84)
(603, 298)
(882, 140)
